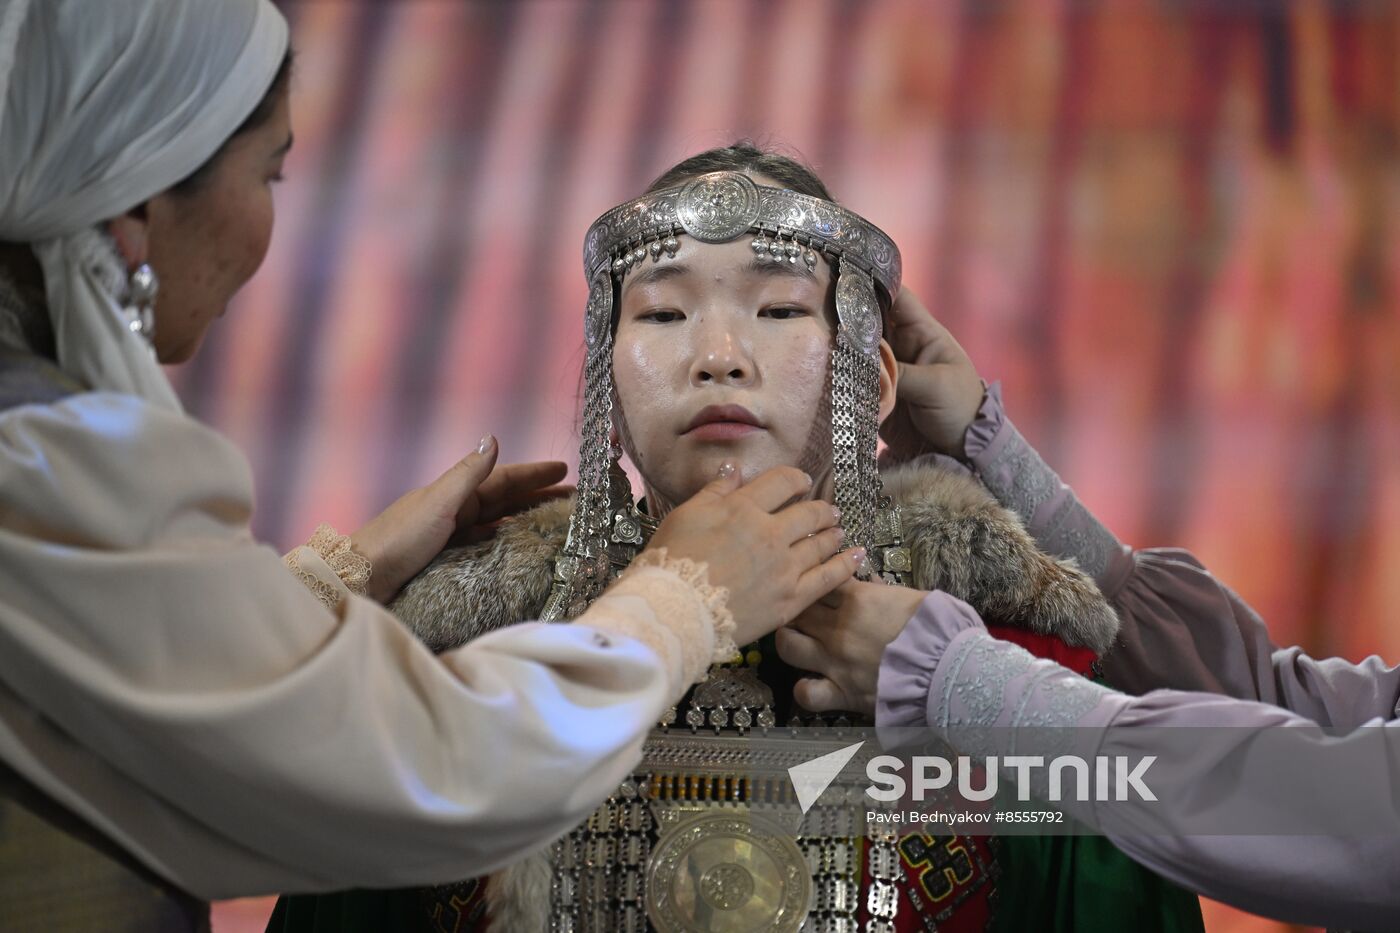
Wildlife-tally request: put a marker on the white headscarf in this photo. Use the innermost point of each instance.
(104, 104)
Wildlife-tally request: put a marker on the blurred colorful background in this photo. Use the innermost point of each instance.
(1170, 229)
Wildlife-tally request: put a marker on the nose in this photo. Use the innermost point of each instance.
(721, 358)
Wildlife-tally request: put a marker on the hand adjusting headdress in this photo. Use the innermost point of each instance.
(787, 227)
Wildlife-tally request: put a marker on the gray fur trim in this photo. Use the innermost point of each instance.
(469, 591)
(517, 896)
(963, 542)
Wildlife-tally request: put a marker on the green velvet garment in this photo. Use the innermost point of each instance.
(1084, 883)
(351, 912)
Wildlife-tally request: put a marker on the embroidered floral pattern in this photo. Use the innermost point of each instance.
(1024, 483)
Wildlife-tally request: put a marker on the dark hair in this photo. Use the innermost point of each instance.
(744, 156)
(192, 182)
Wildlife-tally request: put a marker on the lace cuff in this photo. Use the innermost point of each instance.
(1013, 472)
(329, 567)
(714, 598)
(670, 606)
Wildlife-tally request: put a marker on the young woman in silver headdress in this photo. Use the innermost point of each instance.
(736, 315)
(182, 715)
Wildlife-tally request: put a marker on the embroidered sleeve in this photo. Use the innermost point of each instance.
(669, 605)
(329, 567)
(985, 690)
(1011, 469)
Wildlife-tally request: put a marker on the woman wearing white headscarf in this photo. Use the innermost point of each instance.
(181, 715)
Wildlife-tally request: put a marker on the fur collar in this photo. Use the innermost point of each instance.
(960, 539)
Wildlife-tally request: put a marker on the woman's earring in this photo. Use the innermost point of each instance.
(140, 308)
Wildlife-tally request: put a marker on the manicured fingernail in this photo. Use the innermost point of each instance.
(840, 534)
(836, 513)
(859, 556)
(808, 478)
(486, 444)
(726, 469)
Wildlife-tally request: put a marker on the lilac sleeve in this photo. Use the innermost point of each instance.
(1181, 628)
(985, 696)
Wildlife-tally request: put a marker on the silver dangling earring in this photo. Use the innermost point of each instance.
(140, 309)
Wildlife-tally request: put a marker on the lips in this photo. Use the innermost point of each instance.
(722, 423)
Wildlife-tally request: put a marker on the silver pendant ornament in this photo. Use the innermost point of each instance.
(139, 308)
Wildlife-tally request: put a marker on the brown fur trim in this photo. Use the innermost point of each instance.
(963, 542)
(469, 591)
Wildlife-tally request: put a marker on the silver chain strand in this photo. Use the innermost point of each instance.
(855, 392)
(582, 570)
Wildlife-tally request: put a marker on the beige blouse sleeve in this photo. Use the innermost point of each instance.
(163, 676)
(328, 567)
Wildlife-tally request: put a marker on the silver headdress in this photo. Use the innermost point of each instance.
(606, 529)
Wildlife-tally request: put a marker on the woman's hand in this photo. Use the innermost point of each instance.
(402, 539)
(774, 560)
(842, 638)
(939, 390)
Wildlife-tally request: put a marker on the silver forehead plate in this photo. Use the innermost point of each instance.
(857, 309)
(597, 320)
(718, 207)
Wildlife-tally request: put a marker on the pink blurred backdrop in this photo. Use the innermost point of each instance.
(1168, 227)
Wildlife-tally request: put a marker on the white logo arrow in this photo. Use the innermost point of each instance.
(811, 778)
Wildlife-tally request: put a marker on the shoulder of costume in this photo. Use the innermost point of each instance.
(965, 542)
(478, 588)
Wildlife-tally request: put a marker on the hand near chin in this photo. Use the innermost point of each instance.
(939, 391)
(772, 557)
(402, 539)
(842, 639)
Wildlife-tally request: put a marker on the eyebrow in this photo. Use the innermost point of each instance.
(771, 267)
(766, 267)
(659, 273)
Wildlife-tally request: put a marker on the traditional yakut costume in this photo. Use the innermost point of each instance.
(683, 844)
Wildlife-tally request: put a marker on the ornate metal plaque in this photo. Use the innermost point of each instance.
(727, 873)
(857, 309)
(597, 319)
(717, 207)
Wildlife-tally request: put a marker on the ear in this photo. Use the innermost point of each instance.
(132, 234)
(889, 379)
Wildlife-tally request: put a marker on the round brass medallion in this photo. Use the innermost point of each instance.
(727, 873)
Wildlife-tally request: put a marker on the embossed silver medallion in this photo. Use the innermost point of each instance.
(857, 309)
(727, 872)
(717, 207)
(597, 318)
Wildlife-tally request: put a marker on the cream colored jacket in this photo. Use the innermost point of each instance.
(166, 677)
